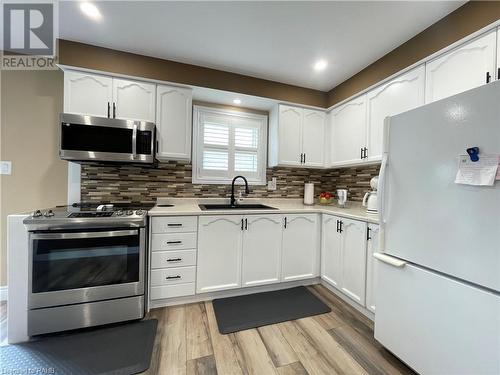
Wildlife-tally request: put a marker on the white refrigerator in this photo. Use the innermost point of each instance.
(438, 287)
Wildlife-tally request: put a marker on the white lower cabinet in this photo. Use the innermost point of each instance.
(172, 257)
(219, 252)
(262, 249)
(300, 247)
(238, 251)
(344, 256)
(371, 265)
(331, 267)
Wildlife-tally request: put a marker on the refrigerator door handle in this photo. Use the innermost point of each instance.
(387, 259)
(381, 189)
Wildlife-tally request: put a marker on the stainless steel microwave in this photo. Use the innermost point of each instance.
(90, 138)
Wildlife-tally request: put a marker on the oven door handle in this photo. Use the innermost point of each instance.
(68, 236)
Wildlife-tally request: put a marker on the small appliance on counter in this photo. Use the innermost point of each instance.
(370, 198)
(309, 193)
(342, 197)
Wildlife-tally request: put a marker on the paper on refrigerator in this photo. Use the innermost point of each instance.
(482, 172)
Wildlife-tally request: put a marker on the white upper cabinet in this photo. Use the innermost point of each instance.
(313, 138)
(290, 135)
(401, 94)
(87, 94)
(348, 132)
(219, 253)
(300, 247)
(97, 95)
(331, 261)
(461, 69)
(173, 122)
(371, 265)
(262, 249)
(134, 100)
(353, 256)
(296, 137)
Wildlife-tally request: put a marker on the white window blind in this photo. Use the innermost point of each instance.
(228, 143)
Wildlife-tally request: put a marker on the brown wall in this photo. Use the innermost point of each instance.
(466, 20)
(30, 102)
(114, 61)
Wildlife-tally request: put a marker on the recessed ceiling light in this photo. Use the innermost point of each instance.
(320, 65)
(90, 10)
(237, 101)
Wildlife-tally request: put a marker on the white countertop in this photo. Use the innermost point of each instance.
(189, 206)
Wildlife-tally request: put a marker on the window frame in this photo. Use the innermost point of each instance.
(198, 146)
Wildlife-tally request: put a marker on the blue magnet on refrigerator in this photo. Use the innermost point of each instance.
(473, 153)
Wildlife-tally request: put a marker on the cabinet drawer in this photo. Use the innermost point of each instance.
(170, 291)
(175, 275)
(166, 259)
(173, 241)
(174, 224)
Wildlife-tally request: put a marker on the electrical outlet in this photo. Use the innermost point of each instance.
(5, 167)
(271, 185)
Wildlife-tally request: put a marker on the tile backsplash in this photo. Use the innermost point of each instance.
(130, 183)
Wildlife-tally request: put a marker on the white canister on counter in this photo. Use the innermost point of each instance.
(309, 193)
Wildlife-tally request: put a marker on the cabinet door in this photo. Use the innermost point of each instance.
(313, 138)
(300, 247)
(87, 94)
(331, 262)
(371, 266)
(354, 259)
(219, 253)
(173, 116)
(498, 53)
(262, 249)
(461, 69)
(349, 132)
(134, 100)
(290, 135)
(399, 95)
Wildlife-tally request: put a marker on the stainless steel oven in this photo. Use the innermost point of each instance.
(85, 276)
(76, 267)
(90, 138)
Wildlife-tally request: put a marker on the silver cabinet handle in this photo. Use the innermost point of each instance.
(174, 242)
(173, 277)
(174, 259)
(174, 225)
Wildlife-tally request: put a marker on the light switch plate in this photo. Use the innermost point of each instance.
(5, 167)
(271, 185)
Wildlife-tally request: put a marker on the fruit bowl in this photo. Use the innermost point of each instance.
(325, 198)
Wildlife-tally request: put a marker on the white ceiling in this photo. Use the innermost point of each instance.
(279, 41)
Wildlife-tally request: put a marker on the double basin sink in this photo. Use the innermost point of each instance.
(249, 206)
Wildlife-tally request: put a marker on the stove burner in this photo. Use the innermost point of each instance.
(91, 214)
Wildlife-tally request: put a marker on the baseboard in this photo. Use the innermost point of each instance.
(4, 293)
(153, 304)
(349, 301)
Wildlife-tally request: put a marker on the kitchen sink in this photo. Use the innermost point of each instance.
(249, 206)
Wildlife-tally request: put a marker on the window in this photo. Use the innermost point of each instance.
(228, 143)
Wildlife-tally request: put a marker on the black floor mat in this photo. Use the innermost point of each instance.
(119, 350)
(254, 310)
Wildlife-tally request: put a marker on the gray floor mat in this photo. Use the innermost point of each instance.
(254, 310)
(119, 350)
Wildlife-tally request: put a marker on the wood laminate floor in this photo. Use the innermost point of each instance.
(340, 342)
